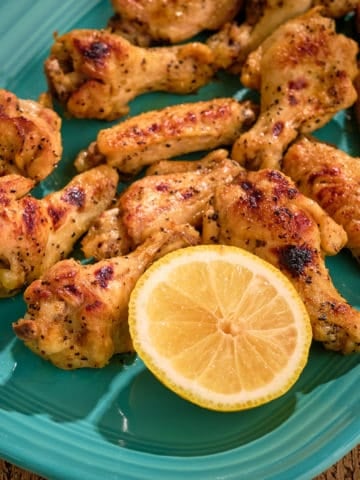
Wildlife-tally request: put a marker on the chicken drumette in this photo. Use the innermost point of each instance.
(95, 73)
(169, 132)
(234, 42)
(77, 314)
(305, 73)
(176, 193)
(38, 233)
(146, 22)
(30, 139)
(264, 213)
(331, 177)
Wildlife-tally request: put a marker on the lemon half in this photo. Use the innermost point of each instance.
(220, 327)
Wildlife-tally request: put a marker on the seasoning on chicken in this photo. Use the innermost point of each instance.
(30, 139)
(177, 196)
(146, 22)
(95, 73)
(233, 42)
(264, 213)
(172, 131)
(331, 177)
(305, 73)
(77, 314)
(38, 233)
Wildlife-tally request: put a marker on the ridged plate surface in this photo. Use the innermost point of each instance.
(119, 422)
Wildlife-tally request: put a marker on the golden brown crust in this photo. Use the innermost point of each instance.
(40, 232)
(264, 213)
(157, 202)
(174, 21)
(169, 132)
(77, 314)
(30, 138)
(95, 73)
(331, 178)
(305, 72)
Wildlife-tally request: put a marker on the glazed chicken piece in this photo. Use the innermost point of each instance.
(331, 177)
(146, 22)
(77, 314)
(305, 73)
(38, 233)
(176, 195)
(172, 131)
(95, 73)
(264, 213)
(233, 42)
(30, 139)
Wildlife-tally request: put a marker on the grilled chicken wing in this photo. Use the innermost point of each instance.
(169, 132)
(38, 233)
(146, 22)
(30, 140)
(330, 177)
(77, 314)
(305, 73)
(95, 73)
(178, 196)
(232, 43)
(264, 213)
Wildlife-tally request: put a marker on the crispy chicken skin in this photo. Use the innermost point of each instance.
(264, 213)
(95, 73)
(331, 177)
(178, 196)
(77, 314)
(30, 138)
(172, 131)
(38, 233)
(233, 42)
(305, 73)
(153, 21)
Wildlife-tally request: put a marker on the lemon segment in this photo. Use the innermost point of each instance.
(220, 327)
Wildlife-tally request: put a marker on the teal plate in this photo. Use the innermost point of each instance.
(120, 422)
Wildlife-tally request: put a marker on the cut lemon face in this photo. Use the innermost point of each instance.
(220, 327)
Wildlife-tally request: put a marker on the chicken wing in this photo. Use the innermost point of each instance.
(38, 233)
(330, 177)
(77, 314)
(30, 139)
(172, 131)
(157, 202)
(264, 213)
(233, 42)
(305, 73)
(95, 73)
(146, 22)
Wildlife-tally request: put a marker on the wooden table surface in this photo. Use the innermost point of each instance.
(348, 468)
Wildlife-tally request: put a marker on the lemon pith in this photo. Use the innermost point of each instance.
(220, 327)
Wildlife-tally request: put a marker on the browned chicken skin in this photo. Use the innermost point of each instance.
(264, 213)
(305, 73)
(172, 131)
(38, 233)
(177, 196)
(95, 73)
(77, 314)
(233, 43)
(149, 21)
(331, 177)
(30, 140)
